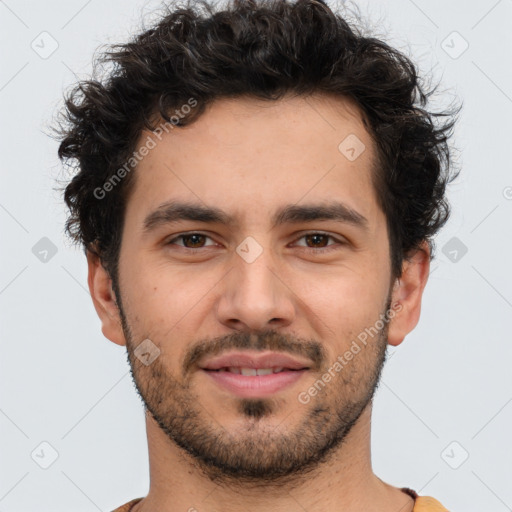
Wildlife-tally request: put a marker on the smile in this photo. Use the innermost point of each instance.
(254, 382)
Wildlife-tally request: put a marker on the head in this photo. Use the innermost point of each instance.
(257, 177)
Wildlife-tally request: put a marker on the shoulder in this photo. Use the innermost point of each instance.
(424, 503)
(127, 506)
(428, 504)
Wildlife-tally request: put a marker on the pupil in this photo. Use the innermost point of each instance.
(324, 237)
(196, 239)
(188, 237)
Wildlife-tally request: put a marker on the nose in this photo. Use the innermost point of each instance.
(255, 297)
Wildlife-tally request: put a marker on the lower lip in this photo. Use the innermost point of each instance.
(252, 386)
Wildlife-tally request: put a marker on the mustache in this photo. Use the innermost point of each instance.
(260, 341)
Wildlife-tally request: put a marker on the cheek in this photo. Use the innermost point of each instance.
(340, 300)
(164, 287)
(162, 303)
(344, 304)
(344, 293)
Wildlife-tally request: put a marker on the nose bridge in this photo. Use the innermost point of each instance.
(254, 294)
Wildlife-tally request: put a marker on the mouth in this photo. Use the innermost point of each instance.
(252, 375)
(254, 382)
(255, 371)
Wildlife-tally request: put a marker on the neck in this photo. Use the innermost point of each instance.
(344, 482)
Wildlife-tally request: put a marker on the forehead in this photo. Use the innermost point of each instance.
(253, 156)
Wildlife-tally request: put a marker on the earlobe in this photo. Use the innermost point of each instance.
(407, 294)
(104, 300)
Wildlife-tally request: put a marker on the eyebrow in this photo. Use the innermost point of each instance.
(175, 211)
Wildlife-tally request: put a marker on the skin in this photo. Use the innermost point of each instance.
(250, 157)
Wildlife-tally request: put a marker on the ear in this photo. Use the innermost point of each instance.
(104, 299)
(407, 294)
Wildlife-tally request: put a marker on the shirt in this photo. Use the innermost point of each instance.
(421, 503)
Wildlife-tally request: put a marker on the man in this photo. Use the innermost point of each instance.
(257, 191)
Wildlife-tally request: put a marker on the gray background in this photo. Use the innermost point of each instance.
(443, 412)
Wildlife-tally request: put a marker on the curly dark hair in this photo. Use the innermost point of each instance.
(264, 49)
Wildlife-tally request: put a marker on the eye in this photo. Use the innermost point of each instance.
(191, 240)
(319, 241)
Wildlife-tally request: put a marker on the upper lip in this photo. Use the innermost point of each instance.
(247, 359)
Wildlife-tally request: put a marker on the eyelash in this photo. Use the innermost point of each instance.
(306, 249)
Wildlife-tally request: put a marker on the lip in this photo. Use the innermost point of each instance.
(247, 359)
(252, 386)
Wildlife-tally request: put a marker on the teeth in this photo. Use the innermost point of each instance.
(253, 371)
(265, 371)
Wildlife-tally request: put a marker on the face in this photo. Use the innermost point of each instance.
(282, 249)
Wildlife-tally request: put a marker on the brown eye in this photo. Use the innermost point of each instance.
(191, 241)
(318, 243)
(194, 240)
(318, 240)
